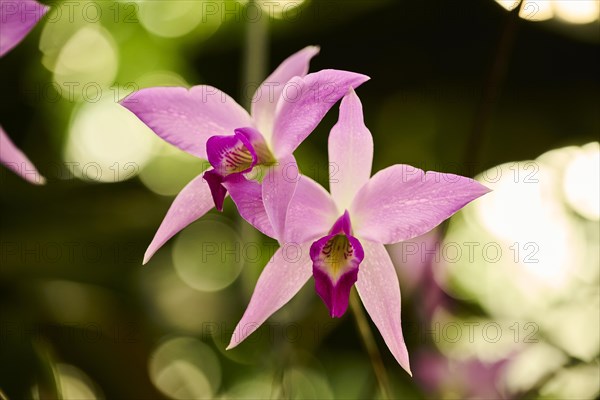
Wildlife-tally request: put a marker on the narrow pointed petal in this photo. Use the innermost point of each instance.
(288, 270)
(304, 102)
(278, 188)
(15, 160)
(265, 98)
(311, 213)
(402, 202)
(218, 191)
(17, 19)
(187, 118)
(191, 203)
(336, 259)
(379, 290)
(350, 152)
(247, 196)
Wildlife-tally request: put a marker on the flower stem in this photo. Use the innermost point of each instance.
(255, 54)
(369, 342)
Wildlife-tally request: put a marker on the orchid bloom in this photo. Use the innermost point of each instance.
(339, 238)
(17, 19)
(207, 123)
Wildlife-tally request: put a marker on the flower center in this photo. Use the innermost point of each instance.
(336, 258)
(233, 154)
(235, 159)
(336, 253)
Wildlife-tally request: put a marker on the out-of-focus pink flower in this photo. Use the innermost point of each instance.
(17, 19)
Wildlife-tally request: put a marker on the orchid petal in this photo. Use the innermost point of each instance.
(17, 19)
(278, 188)
(187, 118)
(264, 100)
(304, 102)
(218, 191)
(15, 160)
(402, 202)
(191, 203)
(311, 212)
(247, 196)
(288, 270)
(350, 152)
(379, 291)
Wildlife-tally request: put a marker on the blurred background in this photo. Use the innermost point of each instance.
(501, 302)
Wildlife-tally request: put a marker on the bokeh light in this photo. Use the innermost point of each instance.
(572, 11)
(184, 368)
(107, 143)
(581, 175)
(87, 64)
(577, 11)
(170, 170)
(258, 386)
(209, 255)
(303, 383)
(174, 304)
(173, 18)
(73, 384)
(533, 10)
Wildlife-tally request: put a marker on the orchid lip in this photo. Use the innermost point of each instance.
(232, 155)
(336, 259)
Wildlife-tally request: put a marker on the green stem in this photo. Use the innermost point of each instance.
(369, 342)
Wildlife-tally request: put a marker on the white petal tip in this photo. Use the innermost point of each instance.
(231, 346)
(147, 256)
(39, 181)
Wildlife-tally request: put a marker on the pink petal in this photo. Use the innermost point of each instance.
(278, 188)
(402, 202)
(285, 274)
(187, 118)
(379, 291)
(265, 98)
(350, 152)
(17, 19)
(214, 180)
(191, 203)
(247, 196)
(304, 102)
(311, 213)
(15, 160)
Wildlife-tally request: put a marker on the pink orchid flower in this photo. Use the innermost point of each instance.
(17, 19)
(209, 124)
(339, 238)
